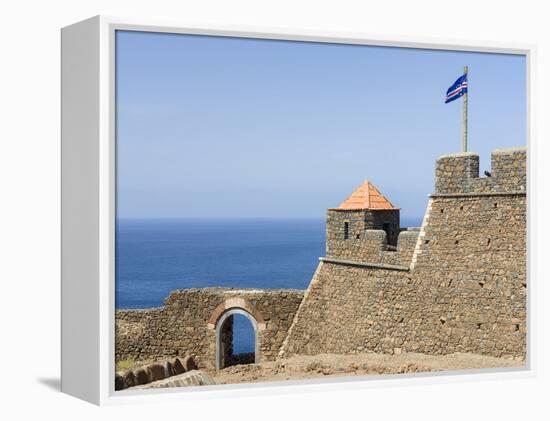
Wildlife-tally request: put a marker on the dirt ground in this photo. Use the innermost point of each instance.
(331, 365)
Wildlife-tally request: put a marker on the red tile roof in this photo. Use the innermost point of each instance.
(366, 196)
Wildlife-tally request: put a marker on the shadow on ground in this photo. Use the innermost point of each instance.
(54, 383)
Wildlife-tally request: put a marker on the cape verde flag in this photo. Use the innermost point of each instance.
(457, 89)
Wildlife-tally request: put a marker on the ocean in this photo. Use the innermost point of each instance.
(156, 256)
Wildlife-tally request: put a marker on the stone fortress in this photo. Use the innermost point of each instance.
(456, 284)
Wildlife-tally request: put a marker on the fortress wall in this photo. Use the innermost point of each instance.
(406, 244)
(453, 173)
(372, 247)
(132, 332)
(472, 266)
(466, 293)
(182, 326)
(390, 258)
(351, 309)
(459, 173)
(509, 167)
(405, 247)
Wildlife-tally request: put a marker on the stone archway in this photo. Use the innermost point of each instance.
(225, 335)
(223, 313)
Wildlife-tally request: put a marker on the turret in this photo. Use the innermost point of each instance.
(362, 226)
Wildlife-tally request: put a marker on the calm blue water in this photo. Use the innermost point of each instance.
(156, 256)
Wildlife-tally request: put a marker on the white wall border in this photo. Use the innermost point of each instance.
(80, 280)
(102, 320)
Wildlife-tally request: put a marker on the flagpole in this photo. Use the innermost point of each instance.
(465, 117)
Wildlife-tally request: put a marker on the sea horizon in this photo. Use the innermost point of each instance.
(156, 255)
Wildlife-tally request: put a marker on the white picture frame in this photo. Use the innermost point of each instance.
(88, 208)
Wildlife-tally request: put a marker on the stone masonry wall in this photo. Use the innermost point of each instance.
(359, 223)
(466, 292)
(459, 173)
(366, 241)
(373, 247)
(337, 245)
(377, 218)
(183, 326)
(401, 256)
(406, 244)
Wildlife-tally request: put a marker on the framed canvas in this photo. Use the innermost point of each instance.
(246, 209)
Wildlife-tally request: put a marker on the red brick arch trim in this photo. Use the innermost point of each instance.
(231, 303)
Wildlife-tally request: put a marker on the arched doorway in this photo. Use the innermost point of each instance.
(225, 340)
(221, 322)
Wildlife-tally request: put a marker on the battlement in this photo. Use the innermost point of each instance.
(372, 246)
(459, 173)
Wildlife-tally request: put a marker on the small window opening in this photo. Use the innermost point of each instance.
(346, 230)
(387, 228)
(456, 242)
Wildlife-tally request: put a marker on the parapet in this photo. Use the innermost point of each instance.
(459, 173)
(373, 248)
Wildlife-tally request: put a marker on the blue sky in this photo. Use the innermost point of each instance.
(232, 127)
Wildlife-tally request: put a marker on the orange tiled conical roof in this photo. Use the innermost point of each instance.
(366, 197)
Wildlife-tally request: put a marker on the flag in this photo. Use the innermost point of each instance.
(457, 89)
